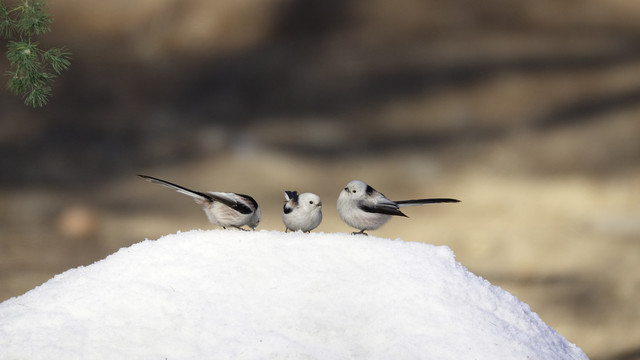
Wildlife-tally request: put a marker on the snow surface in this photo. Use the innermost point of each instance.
(225, 294)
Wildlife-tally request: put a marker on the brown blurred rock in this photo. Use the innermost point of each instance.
(77, 222)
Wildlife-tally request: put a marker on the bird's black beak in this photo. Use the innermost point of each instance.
(346, 189)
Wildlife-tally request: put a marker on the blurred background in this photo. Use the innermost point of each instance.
(527, 111)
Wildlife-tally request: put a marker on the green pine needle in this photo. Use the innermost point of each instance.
(34, 19)
(6, 23)
(38, 97)
(23, 55)
(58, 58)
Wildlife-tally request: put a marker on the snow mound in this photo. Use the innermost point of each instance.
(269, 295)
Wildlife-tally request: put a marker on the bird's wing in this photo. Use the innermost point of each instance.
(292, 201)
(291, 195)
(287, 209)
(241, 203)
(181, 189)
(384, 206)
(403, 203)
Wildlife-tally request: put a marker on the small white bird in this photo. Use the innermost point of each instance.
(222, 208)
(364, 208)
(301, 212)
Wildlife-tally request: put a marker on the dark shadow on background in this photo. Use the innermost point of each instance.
(632, 354)
(109, 119)
(581, 296)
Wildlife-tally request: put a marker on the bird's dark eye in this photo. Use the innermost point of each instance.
(353, 191)
(310, 202)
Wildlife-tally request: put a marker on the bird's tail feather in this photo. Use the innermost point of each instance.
(181, 189)
(403, 203)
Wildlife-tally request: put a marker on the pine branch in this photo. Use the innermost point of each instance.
(32, 69)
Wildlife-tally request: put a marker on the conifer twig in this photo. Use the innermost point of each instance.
(32, 69)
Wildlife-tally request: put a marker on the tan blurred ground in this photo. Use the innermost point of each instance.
(526, 111)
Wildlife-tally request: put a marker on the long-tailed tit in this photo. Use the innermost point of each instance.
(301, 212)
(222, 208)
(364, 208)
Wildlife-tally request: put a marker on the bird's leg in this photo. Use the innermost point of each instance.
(239, 228)
(286, 229)
(361, 232)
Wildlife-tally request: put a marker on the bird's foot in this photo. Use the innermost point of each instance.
(361, 232)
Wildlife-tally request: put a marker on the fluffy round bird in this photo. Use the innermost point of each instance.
(301, 212)
(222, 208)
(365, 208)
